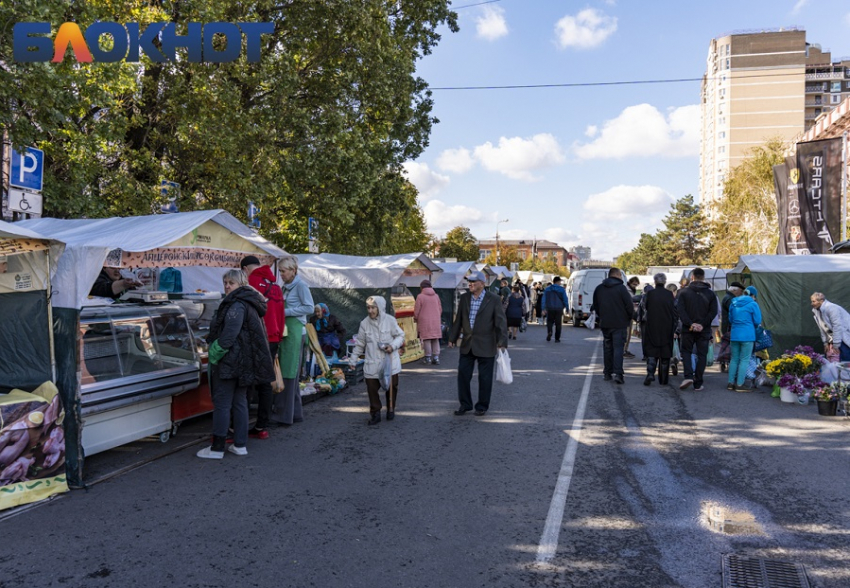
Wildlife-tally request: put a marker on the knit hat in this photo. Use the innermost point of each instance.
(249, 260)
(425, 284)
(751, 291)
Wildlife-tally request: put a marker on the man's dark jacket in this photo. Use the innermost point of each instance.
(491, 326)
(725, 325)
(613, 304)
(103, 286)
(697, 303)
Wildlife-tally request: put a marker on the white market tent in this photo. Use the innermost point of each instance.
(202, 243)
(329, 270)
(487, 271)
(453, 274)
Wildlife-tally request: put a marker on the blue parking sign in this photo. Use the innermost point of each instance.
(28, 169)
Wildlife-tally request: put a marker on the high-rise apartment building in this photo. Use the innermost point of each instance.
(759, 86)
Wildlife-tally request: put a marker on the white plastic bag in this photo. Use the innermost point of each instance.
(503, 367)
(387, 372)
(590, 323)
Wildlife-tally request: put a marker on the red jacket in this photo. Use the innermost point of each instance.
(262, 280)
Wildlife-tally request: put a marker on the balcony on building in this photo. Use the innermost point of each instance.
(816, 88)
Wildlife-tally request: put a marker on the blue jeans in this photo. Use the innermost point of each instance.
(740, 361)
(613, 345)
(465, 367)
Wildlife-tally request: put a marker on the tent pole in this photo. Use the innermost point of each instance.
(844, 186)
(50, 320)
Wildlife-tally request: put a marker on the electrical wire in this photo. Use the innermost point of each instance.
(598, 84)
(471, 5)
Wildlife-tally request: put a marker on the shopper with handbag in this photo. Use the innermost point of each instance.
(744, 319)
(379, 338)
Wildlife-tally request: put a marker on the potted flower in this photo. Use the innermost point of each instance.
(809, 383)
(789, 387)
(827, 396)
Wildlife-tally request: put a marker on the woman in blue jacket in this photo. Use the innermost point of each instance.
(744, 316)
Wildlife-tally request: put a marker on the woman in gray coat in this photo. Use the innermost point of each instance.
(298, 303)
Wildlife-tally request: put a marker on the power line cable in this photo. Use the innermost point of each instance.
(478, 4)
(598, 84)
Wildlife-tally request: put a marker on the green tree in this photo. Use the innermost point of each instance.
(684, 240)
(649, 251)
(507, 255)
(746, 218)
(460, 244)
(546, 266)
(319, 127)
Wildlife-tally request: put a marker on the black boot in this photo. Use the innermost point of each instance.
(376, 418)
(651, 363)
(674, 366)
(664, 372)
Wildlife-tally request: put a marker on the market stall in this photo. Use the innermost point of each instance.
(785, 284)
(32, 446)
(122, 368)
(343, 282)
(488, 272)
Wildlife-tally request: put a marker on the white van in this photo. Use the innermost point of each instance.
(580, 289)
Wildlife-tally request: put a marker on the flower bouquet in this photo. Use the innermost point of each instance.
(829, 392)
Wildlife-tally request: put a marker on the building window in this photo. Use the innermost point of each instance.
(721, 149)
(729, 49)
(835, 87)
(721, 135)
(835, 98)
(482, 253)
(728, 63)
(721, 121)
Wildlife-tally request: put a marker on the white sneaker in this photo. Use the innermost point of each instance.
(208, 453)
(237, 450)
(685, 384)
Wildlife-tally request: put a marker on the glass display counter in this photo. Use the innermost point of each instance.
(133, 359)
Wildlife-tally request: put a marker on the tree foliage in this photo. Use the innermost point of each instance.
(459, 243)
(746, 220)
(546, 266)
(319, 127)
(682, 241)
(508, 254)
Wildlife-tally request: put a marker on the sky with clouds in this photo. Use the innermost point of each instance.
(580, 165)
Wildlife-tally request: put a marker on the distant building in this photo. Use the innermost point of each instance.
(527, 249)
(581, 251)
(757, 86)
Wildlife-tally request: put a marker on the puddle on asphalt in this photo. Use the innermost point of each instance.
(723, 519)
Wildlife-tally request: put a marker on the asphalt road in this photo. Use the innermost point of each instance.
(435, 500)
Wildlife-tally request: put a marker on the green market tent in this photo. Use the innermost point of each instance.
(785, 284)
(343, 282)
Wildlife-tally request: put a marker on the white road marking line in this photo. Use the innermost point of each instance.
(554, 520)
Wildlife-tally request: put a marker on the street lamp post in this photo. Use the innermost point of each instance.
(497, 238)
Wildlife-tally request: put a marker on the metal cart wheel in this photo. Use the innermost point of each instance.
(164, 436)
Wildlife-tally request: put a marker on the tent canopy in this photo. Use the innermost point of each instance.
(785, 284)
(205, 238)
(453, 274)
(328, 270)
(25, 346)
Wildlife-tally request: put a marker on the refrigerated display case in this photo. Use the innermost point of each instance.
(133, 360)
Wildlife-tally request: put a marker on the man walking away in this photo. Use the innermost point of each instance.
(481, 320)
(614, 309)
(554, 304)
(834, 324)
(697, 306)
(659, 328)
(632, 286)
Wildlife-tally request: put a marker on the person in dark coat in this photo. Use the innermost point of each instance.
(239, 357)
(697, 306)
(110, 284)
(481, 320)
(554, 304)
(614, 308)
(514, 312)
(735, 289)
(661, 319)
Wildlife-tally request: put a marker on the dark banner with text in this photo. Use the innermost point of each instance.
(819, 165)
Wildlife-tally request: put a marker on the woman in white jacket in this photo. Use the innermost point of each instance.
(379, 335)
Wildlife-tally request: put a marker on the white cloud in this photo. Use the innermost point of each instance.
(491, 24)
(799, 6)
(442, 217)
(429, 183)
(518, 157)
(455, 160)
(643, 131)
(591, 131)
(614, 219)
(587, 29)
(628, 203)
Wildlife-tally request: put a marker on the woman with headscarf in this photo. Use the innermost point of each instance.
(745, 317)
(329, 329)
(299, 305)
(379, 337)
(239, 358)
(659, 327)
(428, 314)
